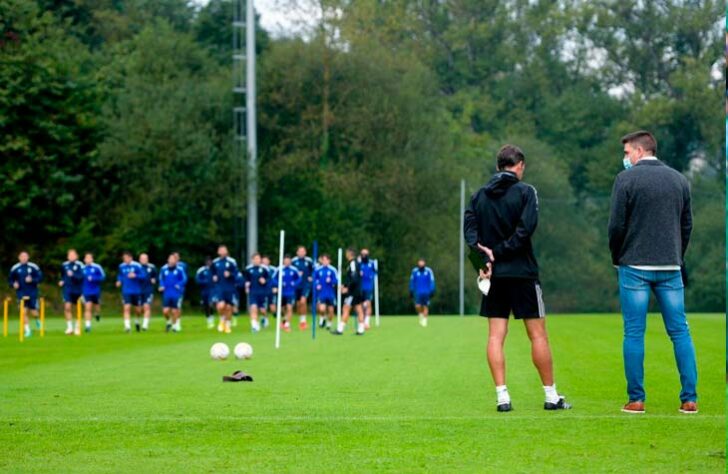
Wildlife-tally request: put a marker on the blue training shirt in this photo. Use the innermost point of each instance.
(129, 285)
(172, 281)
(73, 283)
(93, 275)
(422, 281)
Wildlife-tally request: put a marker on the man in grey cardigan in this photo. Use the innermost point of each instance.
(649, 231)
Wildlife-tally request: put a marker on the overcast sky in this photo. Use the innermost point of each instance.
(275, 17)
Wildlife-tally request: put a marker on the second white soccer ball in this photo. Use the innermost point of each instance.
(243, 351)
(219, 351)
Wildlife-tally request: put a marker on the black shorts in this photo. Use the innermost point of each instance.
(522, 296)
(352, 298)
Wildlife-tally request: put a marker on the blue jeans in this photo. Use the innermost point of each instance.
(634, 296)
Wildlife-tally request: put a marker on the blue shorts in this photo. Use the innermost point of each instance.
(133, 300)
(172, 302)
(367, 295)
(95, 299)
(272, 299)
(303, 292)
(29, 302)
(422, 299)
(147, 298)
(257, 299)
(205, 300)
(288, 299)
(328, 300)
(69, 297)
(225, 296)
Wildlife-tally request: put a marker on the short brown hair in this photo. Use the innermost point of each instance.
(509, 155)
(643, 139)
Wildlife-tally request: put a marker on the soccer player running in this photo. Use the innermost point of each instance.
(326, 281)
(351, 289)
(291, 280)
(304, 265)
(71, 284)
(148, 284)
(130, 278)
(649, 231)
(24, 277)
(93, 275)
(203, 278)
(500, 219)
(172, 281)
(256, 287)
(422, 287)
(269, 296)
(368, 273)
(224, 270)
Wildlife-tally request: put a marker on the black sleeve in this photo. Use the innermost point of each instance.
(470, 231)
(686, 219)
(617, 228)
(524, 229)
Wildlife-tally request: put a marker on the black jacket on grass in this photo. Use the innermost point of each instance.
(650, 221)
(502, 215)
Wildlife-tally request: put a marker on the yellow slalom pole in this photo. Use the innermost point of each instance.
(78, 317)
(6, 303)
(21, 333)
(42, 317)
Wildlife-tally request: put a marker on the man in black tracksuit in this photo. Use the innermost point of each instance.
(351, 289)
(499, 222)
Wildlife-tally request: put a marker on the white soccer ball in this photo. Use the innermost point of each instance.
(243, 351)
(219, 351)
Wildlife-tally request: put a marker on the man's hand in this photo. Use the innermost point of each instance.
(60, 283)
(487, 251)
(261, 280)
(118, 284)
(487, 272)
(131, 275)
(226, 274)
(153, 281)
(344, 290)
(214, 278)
(161, 289)
(69, 273)
(16, 285)
(29, 279)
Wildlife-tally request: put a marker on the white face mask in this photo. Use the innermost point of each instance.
(626, 163)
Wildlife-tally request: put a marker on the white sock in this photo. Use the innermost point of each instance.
(360, 328)
(227, 324)
(501, 392)
(27, 327)
(302, 318)
(177, 325)
(255, 325)
(69, 324)
(366, 320)
(88, 324)
(127, 324)
(145, 325)
(340, 327)
(552, 396)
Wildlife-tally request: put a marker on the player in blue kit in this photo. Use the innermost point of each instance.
(224, 269)
(148, 285)
(71, 284)
(129, 278)
(93, 275)
(368, 271)
(291, 280)
(24, 277)
(172, 281)
(203, 278)
(422, 287)
(270, 303)
(304, 265)
(325, 280)
(256, 288)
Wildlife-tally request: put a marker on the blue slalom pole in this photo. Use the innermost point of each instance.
(313, 291)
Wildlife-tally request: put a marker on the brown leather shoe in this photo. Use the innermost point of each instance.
(689, 408)
(634, 406)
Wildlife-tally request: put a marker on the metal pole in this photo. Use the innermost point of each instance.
(338, 294)
(462, 247)
(376, 292)
(279, 299)
(251, 129)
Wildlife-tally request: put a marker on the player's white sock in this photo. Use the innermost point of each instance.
(69, 325)
(145, 324)
(302, 318)
(255, 325)
(27, 327)
(501, 392)
(552, 396)
(127, 324)
(88, 324)
(177, 325)
(360, 328)
(340, 327)
(227, 324)
(366, 320)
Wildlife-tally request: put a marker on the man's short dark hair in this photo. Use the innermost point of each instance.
(127, 252)
(509, 156)
(642, 139)
(256, 254)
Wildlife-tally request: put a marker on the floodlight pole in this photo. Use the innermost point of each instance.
(252, 130)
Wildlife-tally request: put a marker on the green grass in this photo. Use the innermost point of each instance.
(400, 399)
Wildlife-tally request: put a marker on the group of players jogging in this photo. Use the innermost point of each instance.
(223, 286)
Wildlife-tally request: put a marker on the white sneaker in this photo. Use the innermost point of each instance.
(221, 327)
(69, 331)
(423, 322)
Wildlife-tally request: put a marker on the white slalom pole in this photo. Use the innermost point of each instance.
(462, 248)
(376, 292)
(338, 295)
(279, 299)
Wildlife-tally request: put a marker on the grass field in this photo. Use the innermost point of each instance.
(400, 399)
